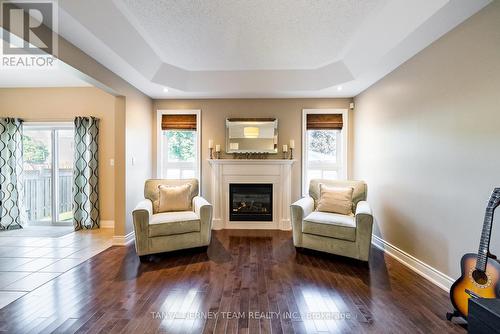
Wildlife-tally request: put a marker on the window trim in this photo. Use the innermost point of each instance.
(52, 127)
(344, 167)
(159, 142)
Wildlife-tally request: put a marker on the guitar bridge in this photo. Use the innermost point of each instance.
(471, 294)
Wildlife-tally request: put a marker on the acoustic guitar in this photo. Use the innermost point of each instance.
(481, 271)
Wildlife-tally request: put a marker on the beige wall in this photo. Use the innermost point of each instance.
(426, 139)
(139, 117)
(64, 104)
(133, 132)
(215, 111)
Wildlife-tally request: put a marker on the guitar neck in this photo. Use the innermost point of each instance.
(484, 243)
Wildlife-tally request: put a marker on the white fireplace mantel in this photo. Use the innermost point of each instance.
(274, 171)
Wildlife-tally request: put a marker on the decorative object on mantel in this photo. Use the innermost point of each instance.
(211, 148)
(217, 151)
(292, 147)
(285, 151)
(255, 156)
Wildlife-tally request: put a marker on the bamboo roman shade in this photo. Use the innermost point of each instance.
(178, 122)
(324, 122)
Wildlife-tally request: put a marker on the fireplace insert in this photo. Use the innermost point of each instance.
(250, 202)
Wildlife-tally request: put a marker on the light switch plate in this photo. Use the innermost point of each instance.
(111, 162)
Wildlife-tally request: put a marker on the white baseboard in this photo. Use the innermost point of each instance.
(423, 269)
(217, 224)
(107, 223)
(123, 240)
(286, 225)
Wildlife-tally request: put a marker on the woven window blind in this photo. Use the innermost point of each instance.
(178, 122)
(324, 122)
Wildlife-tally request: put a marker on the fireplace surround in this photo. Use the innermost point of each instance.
(274, 172)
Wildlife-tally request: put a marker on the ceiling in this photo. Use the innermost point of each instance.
(234, 35)
(57, 75)
(60, 75)
(257, 48)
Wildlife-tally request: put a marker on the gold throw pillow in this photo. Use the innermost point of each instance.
(335, 199)
(174, 198)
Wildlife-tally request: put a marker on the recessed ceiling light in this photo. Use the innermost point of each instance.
(339, 88)
(165, 89)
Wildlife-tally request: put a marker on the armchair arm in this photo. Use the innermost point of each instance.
(299, 210)
(303, 206)
(364, 224)
(204, 210)
(141, 215)
(363, 208)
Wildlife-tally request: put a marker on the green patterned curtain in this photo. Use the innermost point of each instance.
(11, 173)
(85, 174)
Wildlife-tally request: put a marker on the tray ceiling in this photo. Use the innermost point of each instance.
(258, 48)
(248, 35)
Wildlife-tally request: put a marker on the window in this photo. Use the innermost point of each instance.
(179, 143)
(324, 145)
(48, 151)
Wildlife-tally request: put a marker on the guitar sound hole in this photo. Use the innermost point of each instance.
(480, 277)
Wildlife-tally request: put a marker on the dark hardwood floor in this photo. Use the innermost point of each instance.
(256, 277)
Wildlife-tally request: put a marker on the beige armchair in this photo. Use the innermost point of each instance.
(162, 232)
(330, 232)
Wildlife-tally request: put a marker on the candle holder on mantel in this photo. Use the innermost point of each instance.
(217, 151)
(291, 153)
(211, 148)
(285, 152)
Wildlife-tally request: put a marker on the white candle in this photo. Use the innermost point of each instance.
(217, 148)
(210, 143)
(292, 143)
(275, 140)
(285, 148)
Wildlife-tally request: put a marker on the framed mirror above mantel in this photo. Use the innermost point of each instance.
(251, 135)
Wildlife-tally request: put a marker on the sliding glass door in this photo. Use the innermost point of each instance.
(48, 151)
